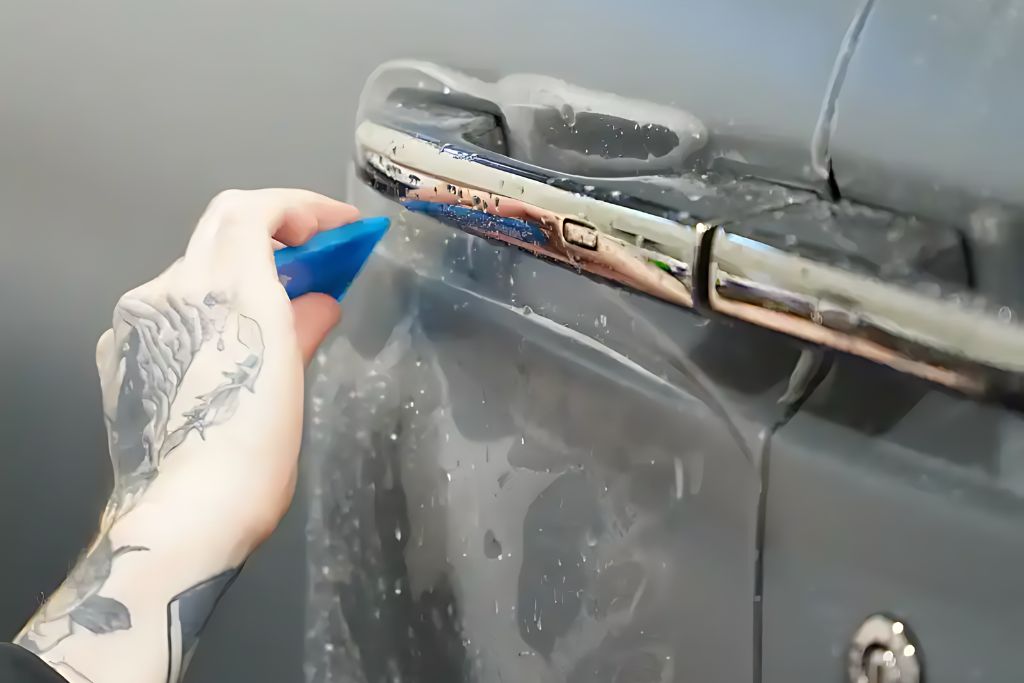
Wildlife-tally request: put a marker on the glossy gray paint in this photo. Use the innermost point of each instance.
(928, 121)
(928, 117)
(908, 504)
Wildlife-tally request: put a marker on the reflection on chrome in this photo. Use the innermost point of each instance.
(706, 266)
(604, 239)
(942, 340)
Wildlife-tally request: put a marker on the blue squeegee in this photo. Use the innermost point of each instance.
(330, 261)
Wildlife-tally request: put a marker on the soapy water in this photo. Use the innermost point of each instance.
(590, 131)
(502, 479)
(465, 501)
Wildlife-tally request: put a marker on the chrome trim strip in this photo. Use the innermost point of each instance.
(951, 340)
(644, 252)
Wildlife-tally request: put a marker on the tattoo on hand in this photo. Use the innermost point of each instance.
(156, 344)
(77, 603)
(187, 615)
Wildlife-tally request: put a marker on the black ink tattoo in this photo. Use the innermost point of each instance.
(187, 615)
(78, 603)
(156, 343)
(158, 346)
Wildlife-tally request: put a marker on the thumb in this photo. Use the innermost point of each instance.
(315, 315)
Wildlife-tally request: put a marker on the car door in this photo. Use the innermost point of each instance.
(617, 308)
(533, 460)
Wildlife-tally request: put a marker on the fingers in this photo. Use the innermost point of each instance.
(315, 315)
(320, 213)
(239, 228)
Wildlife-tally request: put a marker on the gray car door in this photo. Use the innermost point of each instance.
(523, 471)
(629, 425)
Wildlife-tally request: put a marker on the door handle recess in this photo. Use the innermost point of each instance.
(905, 318)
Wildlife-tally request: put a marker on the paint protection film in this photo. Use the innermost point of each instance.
(519, 473)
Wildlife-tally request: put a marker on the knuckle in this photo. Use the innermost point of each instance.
(226, 202)
(228, 196)
(105, 351)
(126, 299)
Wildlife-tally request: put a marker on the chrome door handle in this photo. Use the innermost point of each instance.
(751, 265)
(636, 248)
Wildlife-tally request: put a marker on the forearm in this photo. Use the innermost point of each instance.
(133, 608)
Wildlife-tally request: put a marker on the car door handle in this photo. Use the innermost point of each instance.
(607, 234)
(841, 276)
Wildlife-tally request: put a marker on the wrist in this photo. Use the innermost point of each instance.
(187, 538)
(138, 597)
(206, 502)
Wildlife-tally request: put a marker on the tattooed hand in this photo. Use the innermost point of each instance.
(202, 369)
(202, 384)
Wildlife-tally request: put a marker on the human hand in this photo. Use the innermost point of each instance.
(201, 374)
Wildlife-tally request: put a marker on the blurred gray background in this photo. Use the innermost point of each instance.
(118, 122)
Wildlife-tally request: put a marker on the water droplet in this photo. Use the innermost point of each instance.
(446, 90)
(568, 115)
(1005, 314)
(679, 478)
(492, 546)
(394, 436)
(398, 534)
